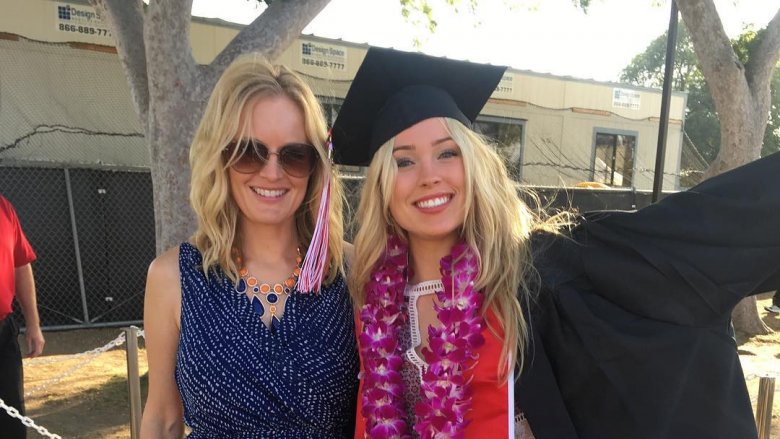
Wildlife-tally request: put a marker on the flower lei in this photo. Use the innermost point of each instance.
(445, 398)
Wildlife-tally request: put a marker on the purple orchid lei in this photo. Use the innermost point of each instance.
(445, 399)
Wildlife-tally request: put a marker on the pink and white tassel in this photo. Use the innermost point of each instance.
(314, 264)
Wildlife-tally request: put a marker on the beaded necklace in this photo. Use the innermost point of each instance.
(270, 293)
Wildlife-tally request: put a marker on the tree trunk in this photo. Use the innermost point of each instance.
(742, 98)
(742, 128)
(169, 135)
(741, 133)
(746, 318)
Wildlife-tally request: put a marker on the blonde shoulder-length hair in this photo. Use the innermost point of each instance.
(497, 225)
(246, 80)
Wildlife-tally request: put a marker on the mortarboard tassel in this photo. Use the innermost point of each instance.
(313, 267)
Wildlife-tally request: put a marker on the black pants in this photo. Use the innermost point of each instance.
(11, 380)
(776, 298)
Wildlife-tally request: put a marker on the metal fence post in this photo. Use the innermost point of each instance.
(766, 393)
(76, 248)
(133, 381)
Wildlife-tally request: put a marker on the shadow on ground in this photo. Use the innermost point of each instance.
(85, 416)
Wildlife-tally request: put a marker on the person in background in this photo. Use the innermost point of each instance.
(480, 316)
(775, 307)
(249, 326)
(16, 280)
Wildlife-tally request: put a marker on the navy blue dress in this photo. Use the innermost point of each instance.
(237, 379)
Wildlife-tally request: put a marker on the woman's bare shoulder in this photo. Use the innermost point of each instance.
(162, 279)
(165, 265)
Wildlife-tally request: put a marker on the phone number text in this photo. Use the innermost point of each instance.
(87, 30)
(326, 64)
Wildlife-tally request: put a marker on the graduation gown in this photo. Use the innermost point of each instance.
(631, 324)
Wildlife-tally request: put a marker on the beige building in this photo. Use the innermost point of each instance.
(552, 130)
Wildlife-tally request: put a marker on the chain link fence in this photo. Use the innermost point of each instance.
(93, 232)
(74, 164)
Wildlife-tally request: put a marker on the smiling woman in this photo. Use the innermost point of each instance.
(431, 195)
(428, 199)
(227, 311)
(269, 193)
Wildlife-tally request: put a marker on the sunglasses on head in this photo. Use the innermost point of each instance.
(296, 159)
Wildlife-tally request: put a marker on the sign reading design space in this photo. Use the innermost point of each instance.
(324, 56)
(624, 98)
(83, 21)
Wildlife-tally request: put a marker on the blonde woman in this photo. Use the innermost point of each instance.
(237, 345)
(480, 318)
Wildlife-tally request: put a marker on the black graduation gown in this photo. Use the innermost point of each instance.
(631, 326)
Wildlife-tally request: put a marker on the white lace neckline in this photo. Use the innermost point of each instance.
(414, 292)
(423, 288)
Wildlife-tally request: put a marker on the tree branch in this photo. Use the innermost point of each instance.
(713, 48)
(763, 57)
(127, 23)
(272, 32)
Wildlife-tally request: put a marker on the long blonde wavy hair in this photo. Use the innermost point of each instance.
(247, 79)
(497, 225)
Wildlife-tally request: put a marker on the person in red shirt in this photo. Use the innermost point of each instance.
(16, 280)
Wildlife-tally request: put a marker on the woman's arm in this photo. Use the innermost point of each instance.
(162, 416)
(25, 295)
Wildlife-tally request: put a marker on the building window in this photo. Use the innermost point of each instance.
(508, 135)
(613, 162)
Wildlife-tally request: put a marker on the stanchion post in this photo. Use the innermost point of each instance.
(766, 393)
(133, 381)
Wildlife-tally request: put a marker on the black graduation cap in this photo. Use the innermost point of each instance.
(394, 90)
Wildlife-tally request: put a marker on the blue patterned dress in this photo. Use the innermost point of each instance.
(237, 379)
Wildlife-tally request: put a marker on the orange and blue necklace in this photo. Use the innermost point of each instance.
(271, 294)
